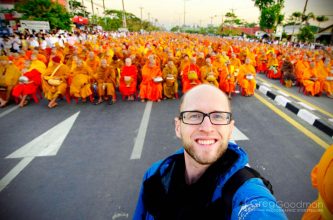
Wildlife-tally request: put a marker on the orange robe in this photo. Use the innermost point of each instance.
(128, 88)
(148, 88)
(273, 71)
(188, 84)
(248, 85)
(106, 81)
(311, 85)
(209, 75)
(322, 180)
(228, 79)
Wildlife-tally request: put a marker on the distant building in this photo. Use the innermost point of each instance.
(325, 35)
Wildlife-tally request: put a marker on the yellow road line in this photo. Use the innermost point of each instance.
(297, 125)
(299, 99)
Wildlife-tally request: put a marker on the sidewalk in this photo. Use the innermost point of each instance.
(317, 111)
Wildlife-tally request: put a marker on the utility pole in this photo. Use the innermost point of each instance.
(124, 16)
(92, 7)
(211, 20)
(148, 16)
(185, 10)
(141, 8)
(104, 6)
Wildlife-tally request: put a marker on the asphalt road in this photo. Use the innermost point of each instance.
(93, 177)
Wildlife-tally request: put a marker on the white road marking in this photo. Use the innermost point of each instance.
(14, 172)
(140, 139)
(264, 89)
(47, 144)
(266, 84)
(307, 116)
(281, 100)
(120, 215)
(8, 111)
(237, 135)
(306, 106)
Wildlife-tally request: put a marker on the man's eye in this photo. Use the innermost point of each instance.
(218, 116)
(194, 116)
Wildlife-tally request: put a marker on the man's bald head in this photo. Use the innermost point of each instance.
(200, 92)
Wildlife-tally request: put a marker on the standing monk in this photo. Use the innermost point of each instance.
(128, 80)
(150, 88)
(170, 85)
(228, 79)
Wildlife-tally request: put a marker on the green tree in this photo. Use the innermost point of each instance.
(270, 13)
(306, 34)
(320, 19)
(307, 17)
(44, 10)
(77, 8)
(232, 19)
(114, 21)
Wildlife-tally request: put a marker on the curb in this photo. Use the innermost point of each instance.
(301, 113)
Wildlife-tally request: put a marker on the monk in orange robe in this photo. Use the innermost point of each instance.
(310, 80)
(80, 86)
(246, 78)
(273, 71)
(55, 81)
(300, 67)
(150, 88)
(209, 73)
(9, 75)
(128, 80)
(322, 180)
(28, 85)
(262, 62)
(234, 61)
(106, 81)
(325, 74)
(228, 79)
(190, 75)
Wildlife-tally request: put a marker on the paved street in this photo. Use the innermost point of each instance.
(92, 176)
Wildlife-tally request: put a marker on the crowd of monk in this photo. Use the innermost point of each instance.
(155, 67)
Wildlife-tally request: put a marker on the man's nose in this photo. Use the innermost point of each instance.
(206, 125)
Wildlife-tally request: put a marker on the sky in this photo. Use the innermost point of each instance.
(170, 13)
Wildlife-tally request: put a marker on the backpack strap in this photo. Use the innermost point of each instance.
(236, 181)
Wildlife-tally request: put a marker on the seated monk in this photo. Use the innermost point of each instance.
(273, 71)
(328, 78)
(228, 78)
(54, 81)
(128, 80)
(190, 75)
(28, 85)
(80, 86)
(106, 80)
(262, 62)
(170, 84)
(288, 74)
(9, 75)
(209, 73)
(150, 88)
(310, 80)
(322, 180)
(246, 78)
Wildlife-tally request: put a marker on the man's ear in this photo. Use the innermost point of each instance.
(177, 127)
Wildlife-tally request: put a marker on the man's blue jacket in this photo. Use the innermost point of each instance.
(252, 200)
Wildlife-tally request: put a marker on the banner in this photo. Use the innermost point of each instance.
(35, 25)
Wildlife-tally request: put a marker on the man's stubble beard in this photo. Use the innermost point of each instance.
(204, 161)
